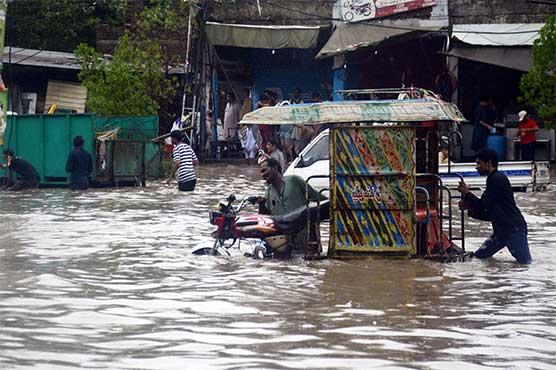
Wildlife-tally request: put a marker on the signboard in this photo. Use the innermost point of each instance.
(3, 92)
(372, 190)
(358, 10)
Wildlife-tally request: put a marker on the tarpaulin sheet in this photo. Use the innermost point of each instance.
(356, 111)
(263, 37)
(351, 36)
(518, 58)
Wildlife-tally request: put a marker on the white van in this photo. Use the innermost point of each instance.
(313, 163)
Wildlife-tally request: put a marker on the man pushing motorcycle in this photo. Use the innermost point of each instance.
(285, 194)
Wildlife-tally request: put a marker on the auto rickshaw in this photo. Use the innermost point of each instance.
(386, 195)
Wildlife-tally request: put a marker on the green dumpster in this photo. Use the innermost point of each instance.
(45, 140)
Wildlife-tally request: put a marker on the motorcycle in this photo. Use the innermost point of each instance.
(266, 235)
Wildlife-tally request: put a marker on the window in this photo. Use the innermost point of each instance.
(318, 152)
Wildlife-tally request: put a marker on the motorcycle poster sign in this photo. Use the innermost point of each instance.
(358, 10)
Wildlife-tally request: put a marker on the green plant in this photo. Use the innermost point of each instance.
(59, 25)
(130, 83)
(538, 86)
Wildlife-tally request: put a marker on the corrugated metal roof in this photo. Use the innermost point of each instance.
(40, 58)
(56, 59)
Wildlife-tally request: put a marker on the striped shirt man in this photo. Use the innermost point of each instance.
(185, 155)
(182, 166)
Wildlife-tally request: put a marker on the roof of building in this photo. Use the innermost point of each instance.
(40, 58)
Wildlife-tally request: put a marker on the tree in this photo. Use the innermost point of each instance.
(130, 83)
(59, 25)
(539, 84)
(136, 80)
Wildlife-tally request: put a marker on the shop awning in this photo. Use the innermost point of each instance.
(352, 36)
(518, 58)
(505, 34)
(263, 37)
(506, 45)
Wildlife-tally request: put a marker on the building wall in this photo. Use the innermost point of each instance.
(275, 12)
(499, 11)
(288, 69)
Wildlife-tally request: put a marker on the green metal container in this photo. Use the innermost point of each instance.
(136, 128)
(45, 140)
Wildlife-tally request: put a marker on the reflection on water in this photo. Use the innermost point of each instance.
(104, 280)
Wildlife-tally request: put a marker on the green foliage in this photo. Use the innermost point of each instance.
(539, 84)
(131, 83)
(59, 24)
(167, 22)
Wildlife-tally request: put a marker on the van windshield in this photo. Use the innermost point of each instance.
(317, 152)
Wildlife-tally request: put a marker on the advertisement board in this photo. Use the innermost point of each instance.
(358, 10)
(3, 92)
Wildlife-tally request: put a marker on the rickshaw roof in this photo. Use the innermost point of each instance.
(348, 111)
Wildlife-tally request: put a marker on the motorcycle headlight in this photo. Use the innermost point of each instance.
(212, 217)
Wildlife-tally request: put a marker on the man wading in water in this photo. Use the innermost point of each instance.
(284, 195)
(497, 205)
(27, 176)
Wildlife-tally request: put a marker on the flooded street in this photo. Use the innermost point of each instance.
(105, 280)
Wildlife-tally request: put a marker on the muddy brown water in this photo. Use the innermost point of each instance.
(105, 280)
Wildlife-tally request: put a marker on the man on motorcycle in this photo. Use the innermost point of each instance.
(285, 194)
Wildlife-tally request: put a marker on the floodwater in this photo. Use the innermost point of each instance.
(105, 280)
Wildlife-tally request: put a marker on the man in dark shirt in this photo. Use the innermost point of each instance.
(79, 165)
(483, 122)
(497, 205)
(28, 178)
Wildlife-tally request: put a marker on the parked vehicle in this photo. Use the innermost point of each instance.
(313, 162)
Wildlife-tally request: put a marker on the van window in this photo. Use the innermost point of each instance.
(318, 152)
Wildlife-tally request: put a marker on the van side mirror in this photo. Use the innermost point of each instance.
(300, 162)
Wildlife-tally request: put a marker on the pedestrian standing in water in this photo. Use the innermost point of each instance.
(497, 205)
(79, 165)
(27, 176)
(526, 133)
(184, 160)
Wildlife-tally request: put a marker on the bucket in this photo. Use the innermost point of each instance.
(498, 144)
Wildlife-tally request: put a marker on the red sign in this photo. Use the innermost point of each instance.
(358, 10)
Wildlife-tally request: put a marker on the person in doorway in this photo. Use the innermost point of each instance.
(285, 194)
(497, 205)
(231, 117)
(27, 175)
(79, 165)
(482, 125)
(184, 160)
(273, 150)
(446, 83)
(526, 132)
(247, 105)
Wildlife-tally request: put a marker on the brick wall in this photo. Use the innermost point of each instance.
(499, 11)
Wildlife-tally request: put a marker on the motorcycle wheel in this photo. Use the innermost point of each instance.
(203, 252)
